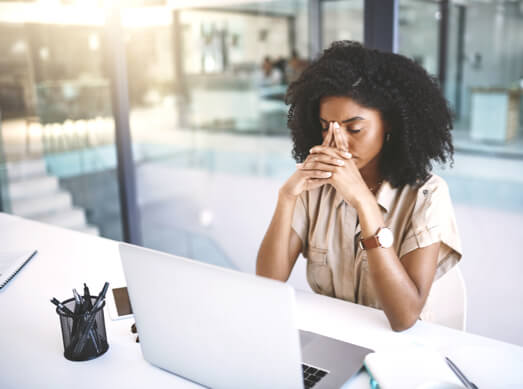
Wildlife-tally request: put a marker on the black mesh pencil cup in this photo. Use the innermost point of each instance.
(83, 334)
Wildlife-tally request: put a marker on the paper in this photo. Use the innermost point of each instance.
(411, 368)
(11, 262)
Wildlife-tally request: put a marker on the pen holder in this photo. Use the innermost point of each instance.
(83, 334)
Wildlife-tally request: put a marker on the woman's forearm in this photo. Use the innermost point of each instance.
(397, 292)
(273, 257)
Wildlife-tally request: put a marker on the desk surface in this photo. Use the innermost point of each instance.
(31, 348)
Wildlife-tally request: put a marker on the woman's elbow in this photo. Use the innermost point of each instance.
(261, 265)
(268, 271)
(404, 323)
(260, 271)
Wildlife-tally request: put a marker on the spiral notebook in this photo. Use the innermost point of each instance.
(11, 262)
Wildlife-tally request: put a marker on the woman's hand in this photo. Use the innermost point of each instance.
(346, 177)
(307, 177)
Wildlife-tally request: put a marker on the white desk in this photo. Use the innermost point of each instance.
(31, 349)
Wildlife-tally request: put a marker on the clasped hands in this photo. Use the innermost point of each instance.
(329, 163)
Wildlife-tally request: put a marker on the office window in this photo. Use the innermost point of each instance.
(483, 68)
(485, 74)
(57, 131)
(418, 32)
(341, 20)
(209, 124)
(483, 86)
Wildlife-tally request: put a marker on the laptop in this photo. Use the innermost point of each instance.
(225, 329)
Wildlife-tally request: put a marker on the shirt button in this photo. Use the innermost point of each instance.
(425, 192)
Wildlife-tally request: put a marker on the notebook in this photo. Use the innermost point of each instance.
(11, 262)
(415, 367)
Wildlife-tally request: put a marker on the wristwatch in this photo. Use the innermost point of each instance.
(382, 238)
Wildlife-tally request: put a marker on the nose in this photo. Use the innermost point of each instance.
(344, 135)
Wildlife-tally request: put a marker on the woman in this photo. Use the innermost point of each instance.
(375, 226)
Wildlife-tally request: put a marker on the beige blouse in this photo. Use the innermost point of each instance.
(329, 230)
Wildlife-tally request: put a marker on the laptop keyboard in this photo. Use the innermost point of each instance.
(312, 375)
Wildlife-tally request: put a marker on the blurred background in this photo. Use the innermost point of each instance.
(209, 146)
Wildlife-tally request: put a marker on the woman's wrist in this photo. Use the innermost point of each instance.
(284, 196)
(369, 213)
(364, 200)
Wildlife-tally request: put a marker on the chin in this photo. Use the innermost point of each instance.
(360, 164)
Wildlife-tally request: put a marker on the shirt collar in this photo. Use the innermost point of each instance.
(384, 197)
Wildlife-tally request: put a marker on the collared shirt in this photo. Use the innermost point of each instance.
(329, 230)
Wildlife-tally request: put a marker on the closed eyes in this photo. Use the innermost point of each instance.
(352, 131)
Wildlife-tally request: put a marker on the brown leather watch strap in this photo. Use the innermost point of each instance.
(382, 238)
(369, 243)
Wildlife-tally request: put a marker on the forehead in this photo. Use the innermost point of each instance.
(341, 108)
(338, 103)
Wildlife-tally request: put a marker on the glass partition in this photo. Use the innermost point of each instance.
(4, 197)
(485, 68)
(418, 34)
(341, 20)
(484, 63)
(209, 123)
(57, 126)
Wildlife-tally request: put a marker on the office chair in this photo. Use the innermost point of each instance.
(448, 300)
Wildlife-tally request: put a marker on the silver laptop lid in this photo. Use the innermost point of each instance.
(214, 326)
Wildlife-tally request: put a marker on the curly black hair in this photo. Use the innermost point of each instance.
(408, 99)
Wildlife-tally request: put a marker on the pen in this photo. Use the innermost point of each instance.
(56, 302)
(79, 300)
(83, 308)
(89, 322)
(62, 307)
(468, 384)
(77, 297)
(88, 306)
(101, 296)
(77, 311)
(90, 334)
(87, 296)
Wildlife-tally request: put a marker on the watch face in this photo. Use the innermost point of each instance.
(385, 237)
